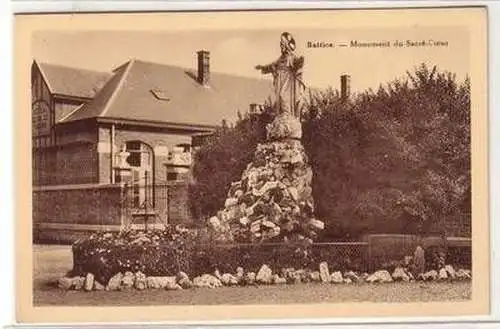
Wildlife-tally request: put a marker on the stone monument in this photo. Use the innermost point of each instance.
(273, 199)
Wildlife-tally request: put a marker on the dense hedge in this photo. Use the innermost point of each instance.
(170, 251)
(222, 159)
(394, 160)
(227, 258)
(155, 253)
(165, 253)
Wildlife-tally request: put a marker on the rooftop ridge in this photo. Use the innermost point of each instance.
(118, 87)
(72, 67)
(193, 70)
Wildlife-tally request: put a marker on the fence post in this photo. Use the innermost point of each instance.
(123, 204)
(168, 200)
(370, 256)
(146, 200)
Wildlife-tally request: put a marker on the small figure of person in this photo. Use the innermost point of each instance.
(287, 77)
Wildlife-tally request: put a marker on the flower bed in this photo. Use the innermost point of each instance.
(154, 253)
(170, 251)
(170, 257)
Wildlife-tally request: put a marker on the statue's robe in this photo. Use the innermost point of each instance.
(287, 81)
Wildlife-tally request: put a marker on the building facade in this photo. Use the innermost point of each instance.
(111, 149)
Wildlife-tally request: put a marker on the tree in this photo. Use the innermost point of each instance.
(222, 159)
(394, 160)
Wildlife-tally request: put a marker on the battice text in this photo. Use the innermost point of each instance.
(320, 44)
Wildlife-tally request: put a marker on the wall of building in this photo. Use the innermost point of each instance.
(40, 93)
(74, 160)
(76, 164)
(77, 134)
(59, 157)
(64, 214)
(178, 206)
(72, 171)
(43, 156)
(91, 205)
(39, 89)
(160, 142)
(63, 108)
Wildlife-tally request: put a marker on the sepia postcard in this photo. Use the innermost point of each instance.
(244, 165)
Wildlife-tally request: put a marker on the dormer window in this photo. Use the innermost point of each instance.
(160, 94)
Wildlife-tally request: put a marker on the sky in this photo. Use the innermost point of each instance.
(237, 52)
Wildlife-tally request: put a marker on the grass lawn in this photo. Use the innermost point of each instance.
(52, 262)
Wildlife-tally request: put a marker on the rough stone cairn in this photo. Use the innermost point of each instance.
(273, 199)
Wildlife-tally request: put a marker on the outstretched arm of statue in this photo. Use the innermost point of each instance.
(265, 69)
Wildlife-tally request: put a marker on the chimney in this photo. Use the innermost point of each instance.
(345, 86)
(203, 67)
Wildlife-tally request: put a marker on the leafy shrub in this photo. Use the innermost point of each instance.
(167, 252)
(226, 258)
(459, 256)
(395, 160)
(392, 161)
(222, 159)
(155, 253)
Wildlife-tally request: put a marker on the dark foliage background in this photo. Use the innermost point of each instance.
(222, 159)
(394, 160)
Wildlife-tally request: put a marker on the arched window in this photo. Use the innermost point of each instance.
(141, 161)
(140, 156)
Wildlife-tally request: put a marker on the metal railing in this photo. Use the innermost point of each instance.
(145, 205)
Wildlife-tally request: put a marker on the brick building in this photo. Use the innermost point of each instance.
(107, 144)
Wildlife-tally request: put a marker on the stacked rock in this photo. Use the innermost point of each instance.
(273, 199)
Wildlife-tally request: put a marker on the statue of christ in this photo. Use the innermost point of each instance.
(287, 77)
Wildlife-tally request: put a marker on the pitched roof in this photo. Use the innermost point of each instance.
(146, 91)
(70, 81)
